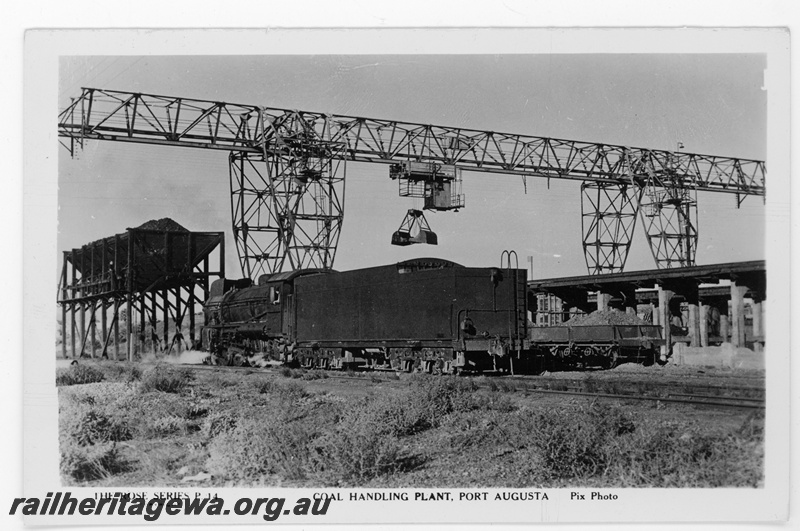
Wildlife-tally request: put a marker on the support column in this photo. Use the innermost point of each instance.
(191, 314)
(116, 328)
(93, 327)
(129, 287)
(72, 328)
(83, 326)
(665, 318)
(691, 295)
(64, 306)
(206, 279)
(165, 299)
(758, 325)
(104, 325)
(63, 329)
(703, 324)
(758, 331)
(190, 298)
(154, 339)
(655, 314)
(142, 323)
(72, 294)
(694, 325)
(178, 320)
(129, 325)
(724, 327)
(602, 301)
(737, 314)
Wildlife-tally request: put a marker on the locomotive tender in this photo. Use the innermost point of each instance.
(424, 314)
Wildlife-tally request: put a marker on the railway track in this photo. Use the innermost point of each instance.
(657, 392)
(670, 398)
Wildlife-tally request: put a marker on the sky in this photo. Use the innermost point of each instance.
(712, 104)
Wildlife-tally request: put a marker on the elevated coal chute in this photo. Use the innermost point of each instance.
(157, 272)
(414, 229)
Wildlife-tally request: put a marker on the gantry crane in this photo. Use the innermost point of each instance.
(287, 172)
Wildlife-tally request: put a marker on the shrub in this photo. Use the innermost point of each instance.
(218, 423)
(437, 396)
(574, 444)
(87, 440)
(358, 448)
(753, 426)
(400, 414)
(93, 427)
(165, 378)
(219, 380)
(265, 442)
(263, 386)
(167, 414)
(601, 445)
(296, 437)
(88, 463)
(669, 455)
(289, 392)
(168, 425)
(122, 372)
(77, 375)
(497, 402)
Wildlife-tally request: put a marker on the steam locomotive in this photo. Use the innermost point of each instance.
(429, 315)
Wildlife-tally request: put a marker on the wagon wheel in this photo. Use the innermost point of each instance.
(613, 358)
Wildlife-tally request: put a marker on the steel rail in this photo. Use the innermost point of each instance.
(687, 399)
(727, 402)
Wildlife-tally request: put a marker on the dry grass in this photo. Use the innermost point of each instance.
(165, 378)
(78, 375)
(419, 431)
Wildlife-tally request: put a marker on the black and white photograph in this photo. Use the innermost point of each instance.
(363, 277)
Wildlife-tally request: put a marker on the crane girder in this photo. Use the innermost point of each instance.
(135, 117)
(287, 172)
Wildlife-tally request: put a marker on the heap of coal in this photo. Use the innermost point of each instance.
(608, 317)
(163, 224)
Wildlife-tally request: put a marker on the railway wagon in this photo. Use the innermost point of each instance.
(596, 345)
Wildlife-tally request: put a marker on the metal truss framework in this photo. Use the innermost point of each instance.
(669, 213)
(288, 201)
(286, 143)
(609, 214)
